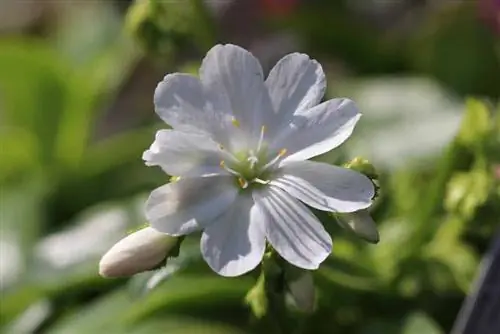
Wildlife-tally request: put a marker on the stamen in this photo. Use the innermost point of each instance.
(243, 183)
(221, 147)
(260, 181)
(222, 164)
(261, 138)
(271, 163)
(235, 122)
(175, 179)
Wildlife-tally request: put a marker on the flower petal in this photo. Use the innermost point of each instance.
(361, 223)
(232, 72)
(325, 187)
(182, 102)
(235, 243)
(293, 231)
(189, 204)
(295, 83)
(318, 130)
(185, 154)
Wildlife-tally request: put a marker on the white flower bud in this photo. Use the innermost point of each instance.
(303, 292)
(361, 223)
(138, 252)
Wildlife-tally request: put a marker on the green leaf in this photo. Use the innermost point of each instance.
(419, 323)
(448, 248)
(97, 317)
(466, 192)
(381, 327)
(34, 91)
(476, 124)
(349, 274)
(185, 293)
(15, 302)
(182, 325)
(19, 153)
(257, 298)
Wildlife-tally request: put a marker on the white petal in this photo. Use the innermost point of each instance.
(182, 102)
(232, 72)
(318, 130)
(185, 154)
(235, 243)
(295, 83)
(325, 187)
(187, 205)
(361, 223)
(139, 251)
(293, 231)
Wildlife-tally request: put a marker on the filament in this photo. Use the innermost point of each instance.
(271, 163)
(261, 138)
(222, 164)
(260, 181)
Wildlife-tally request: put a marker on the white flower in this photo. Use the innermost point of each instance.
(239, 145)
(138, 252)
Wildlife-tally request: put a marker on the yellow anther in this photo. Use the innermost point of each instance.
(175, 178)
(282, 152)
(263, 129)
(222, 164)
(235, 122)
(243, 183)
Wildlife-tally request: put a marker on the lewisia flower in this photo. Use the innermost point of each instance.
(240, 147)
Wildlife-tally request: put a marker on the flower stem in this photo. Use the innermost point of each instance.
(275, 289)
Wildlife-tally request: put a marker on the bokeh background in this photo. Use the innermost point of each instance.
(76, 112)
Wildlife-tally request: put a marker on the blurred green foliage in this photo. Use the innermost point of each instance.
(67, 195)
(165, 30)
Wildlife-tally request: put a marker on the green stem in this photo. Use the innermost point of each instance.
(275, 289)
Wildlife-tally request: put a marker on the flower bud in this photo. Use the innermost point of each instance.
(140, 251)
(363, 166)
(361, 223)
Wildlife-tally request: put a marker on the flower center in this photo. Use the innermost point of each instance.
(252, 166)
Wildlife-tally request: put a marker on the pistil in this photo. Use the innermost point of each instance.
(249, 168)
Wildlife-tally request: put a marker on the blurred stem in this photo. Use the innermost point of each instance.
(208, 33)
(275, 289)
